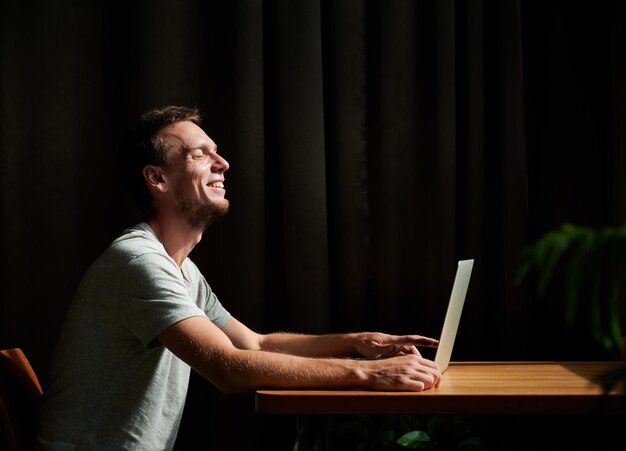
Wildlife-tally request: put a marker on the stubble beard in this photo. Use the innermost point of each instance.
(200, 214)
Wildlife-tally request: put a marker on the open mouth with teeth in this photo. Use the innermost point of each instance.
(216, 185)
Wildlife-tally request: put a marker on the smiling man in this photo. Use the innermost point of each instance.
(144, 315)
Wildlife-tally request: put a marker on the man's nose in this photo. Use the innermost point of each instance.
(220, 164)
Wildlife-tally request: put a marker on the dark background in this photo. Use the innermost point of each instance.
(372, 144)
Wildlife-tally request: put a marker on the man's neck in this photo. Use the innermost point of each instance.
(176, 235)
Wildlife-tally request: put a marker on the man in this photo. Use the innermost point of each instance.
(144, 314)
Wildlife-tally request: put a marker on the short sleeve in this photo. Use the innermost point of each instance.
(154, 297)
(208, 301)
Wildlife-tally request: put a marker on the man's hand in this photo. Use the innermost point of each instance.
(407, 372)
(375, 345)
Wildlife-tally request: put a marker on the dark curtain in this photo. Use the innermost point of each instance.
(372, 145)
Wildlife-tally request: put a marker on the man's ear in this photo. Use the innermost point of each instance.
(153, 176)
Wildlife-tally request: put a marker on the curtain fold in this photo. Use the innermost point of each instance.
(345, 112)
(295, 159)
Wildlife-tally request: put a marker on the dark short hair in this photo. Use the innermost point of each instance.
(143, 146)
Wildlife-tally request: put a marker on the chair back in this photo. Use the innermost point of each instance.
(20, 393)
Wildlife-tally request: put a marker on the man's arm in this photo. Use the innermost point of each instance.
(208, 350)
(365, 344)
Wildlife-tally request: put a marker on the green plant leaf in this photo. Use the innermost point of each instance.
(573, 279)
(615, 328)
(415, 440)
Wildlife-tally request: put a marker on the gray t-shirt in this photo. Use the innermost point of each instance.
(112, 385)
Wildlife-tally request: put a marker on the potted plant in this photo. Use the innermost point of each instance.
(591, 263)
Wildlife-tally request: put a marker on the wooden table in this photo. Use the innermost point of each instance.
(470, 387)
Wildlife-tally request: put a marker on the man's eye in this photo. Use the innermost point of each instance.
(196, 154)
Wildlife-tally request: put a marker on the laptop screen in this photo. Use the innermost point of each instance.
(453, 314)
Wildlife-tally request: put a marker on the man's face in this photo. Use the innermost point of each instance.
(195, 173)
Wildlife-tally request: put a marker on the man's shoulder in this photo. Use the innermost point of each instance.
(139, 232)
(136, 243)
(139, 237)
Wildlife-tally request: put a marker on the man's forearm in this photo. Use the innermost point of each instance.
(329, 345)
(207, 349)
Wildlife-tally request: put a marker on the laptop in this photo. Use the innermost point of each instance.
(453, 314)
